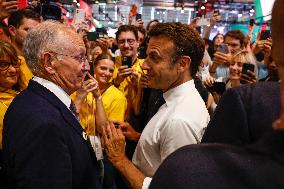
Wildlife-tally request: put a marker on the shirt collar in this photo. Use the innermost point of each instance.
(178, 91)
(58, 91)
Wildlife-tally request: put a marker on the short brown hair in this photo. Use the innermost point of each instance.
(237, 34)
(16, 18)
(126, 28)
(187, 41)
(103, 56)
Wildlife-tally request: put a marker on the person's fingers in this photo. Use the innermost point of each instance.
(125, 74)
(105, 137)
(113, 131)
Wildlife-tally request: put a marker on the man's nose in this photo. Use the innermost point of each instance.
(145, 65)
(126, 44)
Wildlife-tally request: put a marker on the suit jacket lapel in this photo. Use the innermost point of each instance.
(66, 113)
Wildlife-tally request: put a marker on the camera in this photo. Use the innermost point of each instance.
(48, 11)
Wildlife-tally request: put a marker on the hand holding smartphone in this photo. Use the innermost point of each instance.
(265, 34)
(247, 77)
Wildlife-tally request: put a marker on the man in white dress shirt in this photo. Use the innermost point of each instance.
(174, 54)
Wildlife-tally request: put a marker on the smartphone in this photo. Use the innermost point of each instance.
(138, 16)
(127, 60)
(246, 67)
(223, 48)
(93, 36)
(218, 87)
(79, 15)
(265, 34)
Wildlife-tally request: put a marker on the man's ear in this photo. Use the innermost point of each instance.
(184, 63)
(48, 63)
(12, 31)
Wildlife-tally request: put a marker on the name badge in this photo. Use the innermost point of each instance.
(97, 146)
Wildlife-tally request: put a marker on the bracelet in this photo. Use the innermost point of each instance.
(212, 71)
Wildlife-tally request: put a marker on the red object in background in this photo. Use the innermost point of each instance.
(209, 7)
(86, 7)
(263, 27)
(23, 4)
(133, 10)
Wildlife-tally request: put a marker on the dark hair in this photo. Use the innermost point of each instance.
(148, 25)
(103, 56)
(6, 49)
(16, 18)
(142, 30)
(126, 28)
(187, 42)
(210, 49)
(5, 28)
(237, 34)
(214, 38)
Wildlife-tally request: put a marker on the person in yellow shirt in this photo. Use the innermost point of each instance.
(126, 77)
(10, 82)
(114, 101)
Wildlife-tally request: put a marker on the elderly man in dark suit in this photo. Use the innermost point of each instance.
(44, 145)
(259, 165)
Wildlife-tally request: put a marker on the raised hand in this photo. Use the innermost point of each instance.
(113, 143)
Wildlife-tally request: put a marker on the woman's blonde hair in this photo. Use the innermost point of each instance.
(248, 57)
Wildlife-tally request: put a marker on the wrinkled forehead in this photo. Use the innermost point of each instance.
(69, 39)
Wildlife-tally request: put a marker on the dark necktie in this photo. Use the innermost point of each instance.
(74, 111)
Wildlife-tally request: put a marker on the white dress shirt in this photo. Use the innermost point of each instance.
(58, 91)
(180, 121)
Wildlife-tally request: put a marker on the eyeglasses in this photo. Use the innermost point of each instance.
(81, 58)
(4, 65)
(129, 41)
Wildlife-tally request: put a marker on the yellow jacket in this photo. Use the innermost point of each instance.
(6, 97)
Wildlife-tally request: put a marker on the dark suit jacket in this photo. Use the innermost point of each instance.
(43, 146)
(244, 114)
(220, 166)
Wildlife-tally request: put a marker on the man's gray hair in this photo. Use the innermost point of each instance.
(44, 37)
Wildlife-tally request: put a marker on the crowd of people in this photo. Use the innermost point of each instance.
(155, 107)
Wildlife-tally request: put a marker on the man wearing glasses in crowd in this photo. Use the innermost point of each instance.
(126, 76)
(44, 145)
